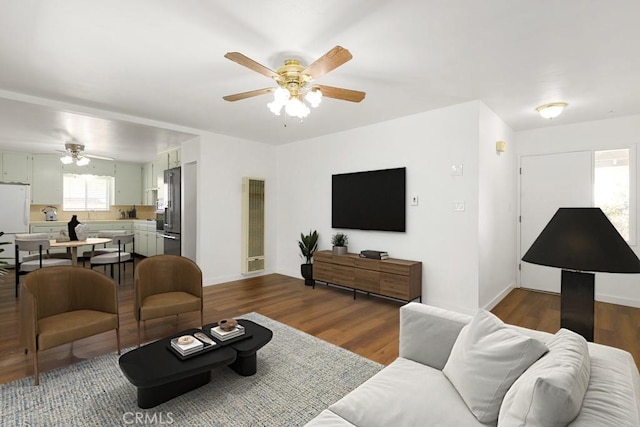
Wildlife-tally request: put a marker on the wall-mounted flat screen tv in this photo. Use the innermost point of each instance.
(372, 200)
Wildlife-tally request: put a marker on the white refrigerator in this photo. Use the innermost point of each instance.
(14, 216)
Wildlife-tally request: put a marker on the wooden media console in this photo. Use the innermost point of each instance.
(394, 278)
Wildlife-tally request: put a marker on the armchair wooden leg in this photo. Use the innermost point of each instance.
(118, 339)
(36, 374)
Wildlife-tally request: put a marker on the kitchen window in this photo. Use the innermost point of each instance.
(87, 192)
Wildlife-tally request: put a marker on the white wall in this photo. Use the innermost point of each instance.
(427, 144)
(596, 135)
(497, 212)
(223, 162)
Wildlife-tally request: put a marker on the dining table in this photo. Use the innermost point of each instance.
(73, 245)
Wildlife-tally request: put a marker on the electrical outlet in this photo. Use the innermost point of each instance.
(456, 170)
(458, 205)
(414, 200)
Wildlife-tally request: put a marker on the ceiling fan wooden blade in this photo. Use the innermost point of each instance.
(245, 95)
(251, 64)
(327, 62)
(340, 93)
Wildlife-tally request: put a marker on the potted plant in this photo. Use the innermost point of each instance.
(308, 245)
(339, 242)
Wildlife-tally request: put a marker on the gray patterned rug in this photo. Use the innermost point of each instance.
(298, 376)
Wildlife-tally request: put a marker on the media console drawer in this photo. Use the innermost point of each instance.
(395, 278)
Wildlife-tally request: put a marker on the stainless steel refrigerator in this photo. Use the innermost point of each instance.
(172, 217)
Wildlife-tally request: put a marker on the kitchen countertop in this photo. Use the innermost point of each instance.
(89, 221)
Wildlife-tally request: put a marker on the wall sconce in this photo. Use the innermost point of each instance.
(501, 147)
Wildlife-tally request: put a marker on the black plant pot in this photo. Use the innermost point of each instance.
(307, 272)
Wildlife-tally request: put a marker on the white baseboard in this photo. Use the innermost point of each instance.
(612, 299)
(489, 306)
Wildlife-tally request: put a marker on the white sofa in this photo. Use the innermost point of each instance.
(414, 391)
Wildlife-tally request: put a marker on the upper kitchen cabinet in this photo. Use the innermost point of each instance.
(174, 158)
(46, 180)
(169, 159)
(128, 181)
(15, 167)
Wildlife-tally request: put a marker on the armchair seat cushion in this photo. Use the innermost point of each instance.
(73, 325)
(168, 304)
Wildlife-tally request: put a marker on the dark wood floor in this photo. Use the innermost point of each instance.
(367, 326)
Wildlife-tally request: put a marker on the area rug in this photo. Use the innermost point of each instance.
(298, 376)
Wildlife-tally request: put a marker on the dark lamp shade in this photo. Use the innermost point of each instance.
(582, 239)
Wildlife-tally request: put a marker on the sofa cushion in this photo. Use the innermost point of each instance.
(612, 399)
(405, 393)
(486, 359)
(550, 392)
(327, 418)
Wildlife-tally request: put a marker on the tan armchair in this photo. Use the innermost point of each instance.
(166, 285)
(63, 304)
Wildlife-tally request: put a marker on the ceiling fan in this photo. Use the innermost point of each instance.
(74, 154)
(294, 82)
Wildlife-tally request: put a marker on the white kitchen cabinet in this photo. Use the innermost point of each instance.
(128, 182)
(149, 184)
(159, 166)
(46, 180)
(174, 158)
(15, 167)
(159, 244)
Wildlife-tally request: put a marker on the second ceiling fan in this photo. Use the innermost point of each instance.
(294, 82)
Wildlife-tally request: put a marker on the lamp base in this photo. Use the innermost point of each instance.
(577, 302)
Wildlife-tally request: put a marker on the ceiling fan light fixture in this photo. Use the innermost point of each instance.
(67, 160)
(313, 97)
(297, 108)
(83, 161)
(552, 110)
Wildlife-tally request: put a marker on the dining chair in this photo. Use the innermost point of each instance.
(27, 261)
(119, 257)
(109, 234)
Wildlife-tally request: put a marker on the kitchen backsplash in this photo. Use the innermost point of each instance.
(142, 212)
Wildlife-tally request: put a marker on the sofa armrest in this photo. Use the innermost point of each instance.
(428, 333)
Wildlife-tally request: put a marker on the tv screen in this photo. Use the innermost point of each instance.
(373, 200)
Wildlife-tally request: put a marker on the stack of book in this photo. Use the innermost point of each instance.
(218, 333)
(187, 349)
(374, 255)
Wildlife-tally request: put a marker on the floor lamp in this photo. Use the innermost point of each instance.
(581, 241)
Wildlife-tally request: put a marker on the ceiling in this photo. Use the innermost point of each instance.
(163, 61)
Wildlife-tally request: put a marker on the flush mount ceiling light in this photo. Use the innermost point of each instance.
(552, 110)
(293, 79)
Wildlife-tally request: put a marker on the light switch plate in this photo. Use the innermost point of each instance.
(458, 205)
(414, 200)
(456, 170)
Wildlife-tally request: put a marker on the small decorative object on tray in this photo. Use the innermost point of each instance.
(221, 334)
(228, 324)
(186, 345)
